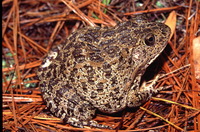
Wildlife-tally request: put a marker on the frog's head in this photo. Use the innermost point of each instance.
(152, 38)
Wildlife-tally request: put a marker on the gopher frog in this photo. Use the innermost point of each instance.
(101, 68)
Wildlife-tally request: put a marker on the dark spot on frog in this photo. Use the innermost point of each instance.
(112, 50)
(79, 45)
(113, 81)
(93, 48)
(108, 74)
(107, 42)
(106, 66)
(79, 58)
(100, 87)
(108, 106)
(91, 80)
(93, 95)
(96, 57)
(84, 86)
(108, 33)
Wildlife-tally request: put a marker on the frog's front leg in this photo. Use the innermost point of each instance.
(140, 95)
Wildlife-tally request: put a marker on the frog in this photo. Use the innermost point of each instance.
(100, 68)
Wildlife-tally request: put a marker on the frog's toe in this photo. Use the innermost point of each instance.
(74, 122)
(81, 124)
(93, 123)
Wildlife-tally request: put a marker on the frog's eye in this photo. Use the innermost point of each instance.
(149, 39)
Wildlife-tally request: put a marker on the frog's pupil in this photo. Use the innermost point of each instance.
(150, 40)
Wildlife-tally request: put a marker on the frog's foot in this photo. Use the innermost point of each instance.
(139, 96)
(84, 124)
(150, 86)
